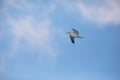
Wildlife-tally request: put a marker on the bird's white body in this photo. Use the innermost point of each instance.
(74, 35)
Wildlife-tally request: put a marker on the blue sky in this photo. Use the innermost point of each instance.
(34, 44)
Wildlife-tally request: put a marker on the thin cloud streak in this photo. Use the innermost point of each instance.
(18, 4)
(35, 32)
(107, 12)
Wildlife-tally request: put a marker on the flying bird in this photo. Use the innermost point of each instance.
(73, 35)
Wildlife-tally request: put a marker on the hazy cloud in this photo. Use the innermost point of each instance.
(26, 29)
(107, 13)
(18, 4)
(99, 11)
(35, 33)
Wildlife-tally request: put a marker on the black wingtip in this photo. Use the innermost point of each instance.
(73, 42)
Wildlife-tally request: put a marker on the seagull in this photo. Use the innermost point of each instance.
(73, 35)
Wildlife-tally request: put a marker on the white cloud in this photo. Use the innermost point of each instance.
(38, 33)
(107, 13)
(18, 4)
(101, 12)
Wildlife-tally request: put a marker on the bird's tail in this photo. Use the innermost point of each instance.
(80, 37)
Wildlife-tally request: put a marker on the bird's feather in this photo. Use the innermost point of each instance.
(75, 31)
(72, 39)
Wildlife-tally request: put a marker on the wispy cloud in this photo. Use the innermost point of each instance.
(37, 33)
(101, 12)
(18, 4)
(107, 13)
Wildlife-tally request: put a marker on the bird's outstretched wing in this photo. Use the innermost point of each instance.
(75, 31)
(72, 39)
